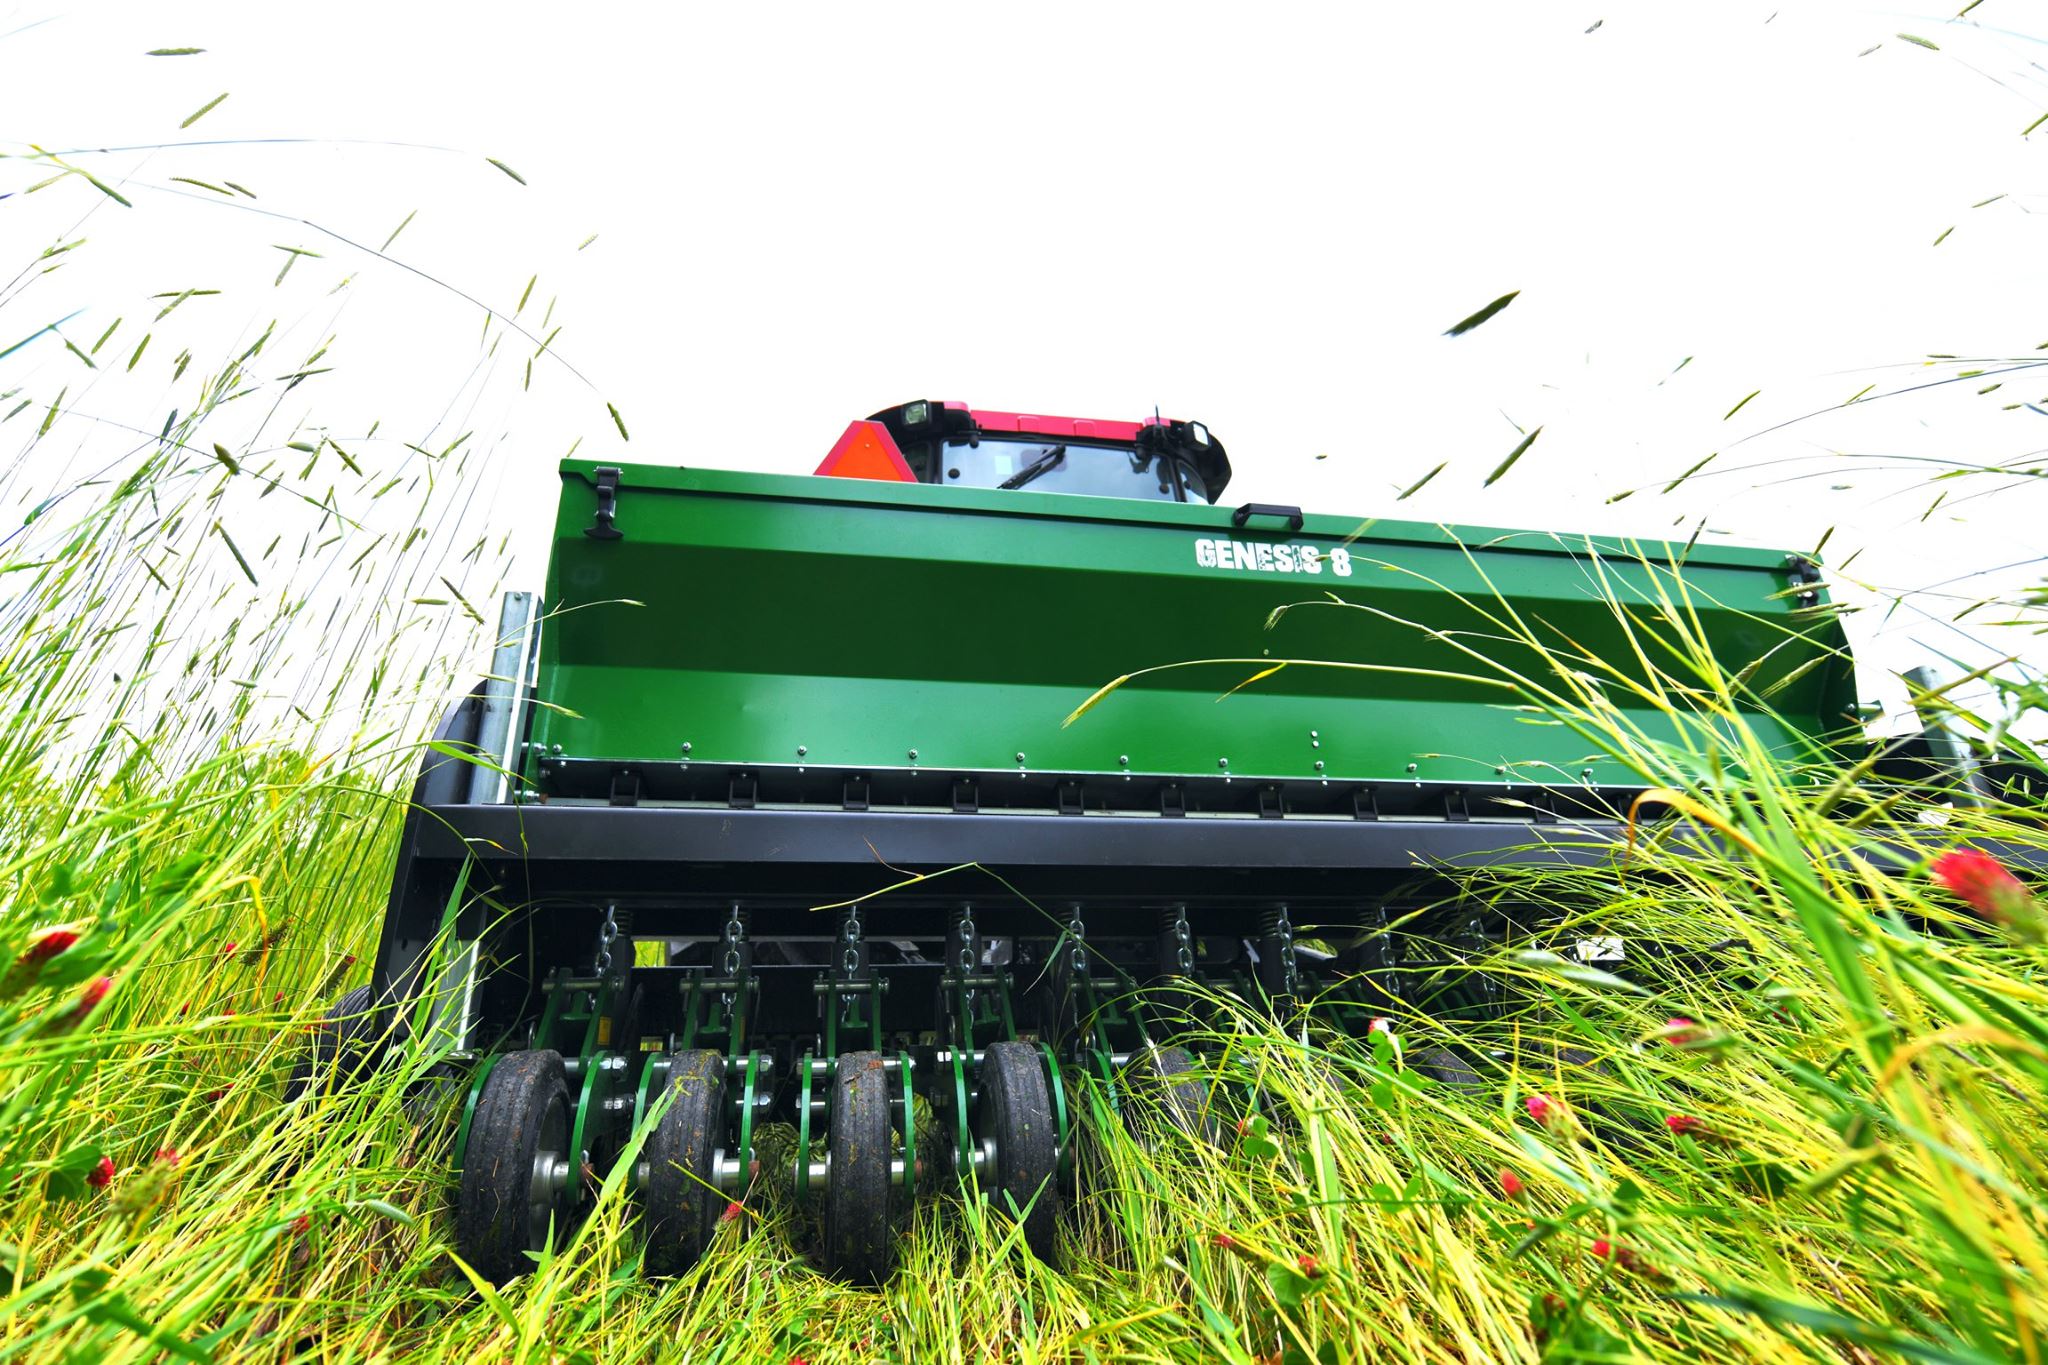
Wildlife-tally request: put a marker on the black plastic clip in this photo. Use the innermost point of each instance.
(855, 797)
(1172, 803)
(1800, 571)
(1270, 806)
(1365, 804)
(1071, 799)
(743, 792)
(966, 796)
(625, 788)
(607, 506)
(1292, 515)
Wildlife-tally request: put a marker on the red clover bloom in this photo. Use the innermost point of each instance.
(45, 946)
(1981, 881)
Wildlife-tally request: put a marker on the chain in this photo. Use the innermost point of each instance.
(849, 936)
(1289, 968)
(966, 935)
(607, 934)
(963, 931)
(735, 934)
(850, 932)
(735, 930)
(1183, 941)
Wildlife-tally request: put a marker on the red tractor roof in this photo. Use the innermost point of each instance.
(1081, 428)
(873, 449)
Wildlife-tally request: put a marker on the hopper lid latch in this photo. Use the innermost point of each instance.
(601, 528)
(1803, 573)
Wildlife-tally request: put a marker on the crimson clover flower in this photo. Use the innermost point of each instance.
(42, 946)
(1622, 1258)
(1510, 1184)
(46, 945)
(1687, 1125)
(1983, 883)
(94, 992)
(101, 1175)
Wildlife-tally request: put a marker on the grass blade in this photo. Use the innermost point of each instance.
(1467, 324)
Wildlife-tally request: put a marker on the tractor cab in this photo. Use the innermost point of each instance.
(952, 444)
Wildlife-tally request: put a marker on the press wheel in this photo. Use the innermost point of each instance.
(1014, 1123)
(683, 1202)
(517, 1173)
(859, 1238)
(343, 1045)
(1184, 1095)
(1445, 1067)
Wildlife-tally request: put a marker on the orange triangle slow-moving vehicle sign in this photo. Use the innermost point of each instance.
(866, 451)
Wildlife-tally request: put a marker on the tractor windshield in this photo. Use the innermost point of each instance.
(1067, 467)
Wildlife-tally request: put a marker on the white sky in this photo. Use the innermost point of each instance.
(1262, 217)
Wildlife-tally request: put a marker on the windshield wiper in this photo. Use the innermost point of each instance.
(1042, 465)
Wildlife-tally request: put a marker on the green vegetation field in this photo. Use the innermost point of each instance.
(1829, 1146)
(219, 658)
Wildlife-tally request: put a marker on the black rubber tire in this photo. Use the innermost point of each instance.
(683, 1203)
(1185, 1096)
(524, 1108)
(1015, 1108)
(343, 1046)
(860, 1238)
(1445, 1067)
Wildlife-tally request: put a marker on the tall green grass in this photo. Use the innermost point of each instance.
(1815, 1134)
(1863, 1069)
